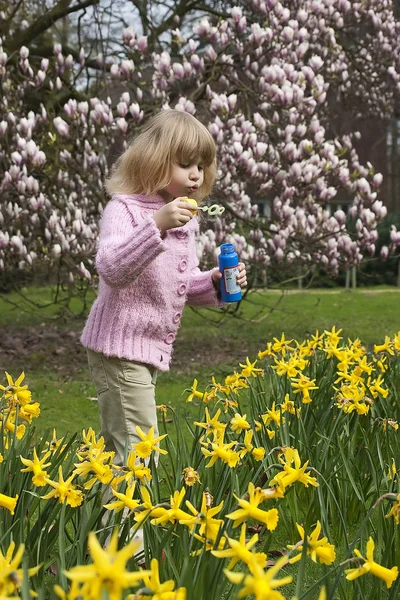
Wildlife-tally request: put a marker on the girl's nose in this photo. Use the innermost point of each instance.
(195, 174)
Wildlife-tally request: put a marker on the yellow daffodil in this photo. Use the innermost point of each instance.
(124, 500)
(220, 450)
(375, 387)
(209, 527)
(8, 502)
(107, 573)
(36, 466)
(158, 590)
(240, 550)
(395, 510)
(162, 516)
(64, 490)
(239, 423)
(249, 369)
(387, 346)
(148, 443)
(267, 352)
(390, 423)
(318, 548)
(352, 398)
(273, 415)
(190, 476)
(14, 392)
(195, 393)
(136, 469)
(282, 345)
(146, 508)
(262, 584)
(249, 509)
(211, 424)
(303, 385)
(290, 474)
(95, 462)
(54, 444)
(332, 336)
(11, 577)
(389, 576)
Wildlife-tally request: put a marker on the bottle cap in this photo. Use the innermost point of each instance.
(227, 248)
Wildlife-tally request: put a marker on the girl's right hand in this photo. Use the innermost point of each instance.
(172, 214)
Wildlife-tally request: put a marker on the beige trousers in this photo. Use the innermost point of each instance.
(126, 398)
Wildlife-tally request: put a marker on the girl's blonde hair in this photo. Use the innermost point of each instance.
(171, 137)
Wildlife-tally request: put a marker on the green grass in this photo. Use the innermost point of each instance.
(210, 342)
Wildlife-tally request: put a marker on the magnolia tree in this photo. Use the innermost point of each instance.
(265, 81)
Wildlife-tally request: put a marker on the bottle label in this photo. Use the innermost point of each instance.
(230, 282)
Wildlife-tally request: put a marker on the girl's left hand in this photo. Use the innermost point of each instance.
(241, 278)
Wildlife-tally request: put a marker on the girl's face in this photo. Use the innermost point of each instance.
(186, 179)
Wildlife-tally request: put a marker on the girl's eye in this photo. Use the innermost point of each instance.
(201, 168)
(184, 166)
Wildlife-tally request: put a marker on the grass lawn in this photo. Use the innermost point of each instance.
(210, 342)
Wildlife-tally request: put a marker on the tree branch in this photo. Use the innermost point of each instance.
(44, 22)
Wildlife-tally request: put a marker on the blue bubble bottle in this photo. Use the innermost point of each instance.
(228, 263)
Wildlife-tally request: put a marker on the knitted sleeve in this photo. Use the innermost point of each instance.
(201, 290)
(126, 245)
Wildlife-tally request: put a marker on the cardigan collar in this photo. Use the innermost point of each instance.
(153, 201)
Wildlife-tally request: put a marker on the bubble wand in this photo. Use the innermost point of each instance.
(215, 210)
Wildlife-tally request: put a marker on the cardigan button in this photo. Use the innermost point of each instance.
(170, 338)
(177, 317)
(182, 289)
(181, 235)
(183, 265)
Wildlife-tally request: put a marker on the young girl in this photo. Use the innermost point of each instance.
(148, 270)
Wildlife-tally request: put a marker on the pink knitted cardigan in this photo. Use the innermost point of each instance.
(145, 281)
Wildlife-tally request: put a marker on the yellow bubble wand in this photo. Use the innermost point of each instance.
(215, 210)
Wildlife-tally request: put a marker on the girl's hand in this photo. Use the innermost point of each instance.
(172, 214)
(241, 277)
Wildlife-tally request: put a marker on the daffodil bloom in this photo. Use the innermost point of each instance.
(262, 584)
(392, 470)
(213, 424)
(8, 421)
(303, 384)
(136, 469)
(258, 453)
(267, 352)
(288, 405)
(387, 346)
(29, 411)
(389, 576)
(54, 444)
(8, 502)
(108, 571)
(162, 408)
(14, 392)
(318, 548)
(194, 392)
(249, 369)
(316, 341)
(285, 368)
(11, 577)
(190, 476)
(249, 509)
(158, 590)
(396, 342)
(239, 423)
(290, 474)
(352, 398)
(259, 427)
(64, 490)
(395, 510)
(333, 336)
(124, 500)
(375, 387)
(273, 415)
(162, 516)
(36, 466)
(94, 463)
(235, 382)
(218, 387)
(282, 345)
(148, 443)
(220, 450)
(146, 508)
(240, 550)
(209, 527)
